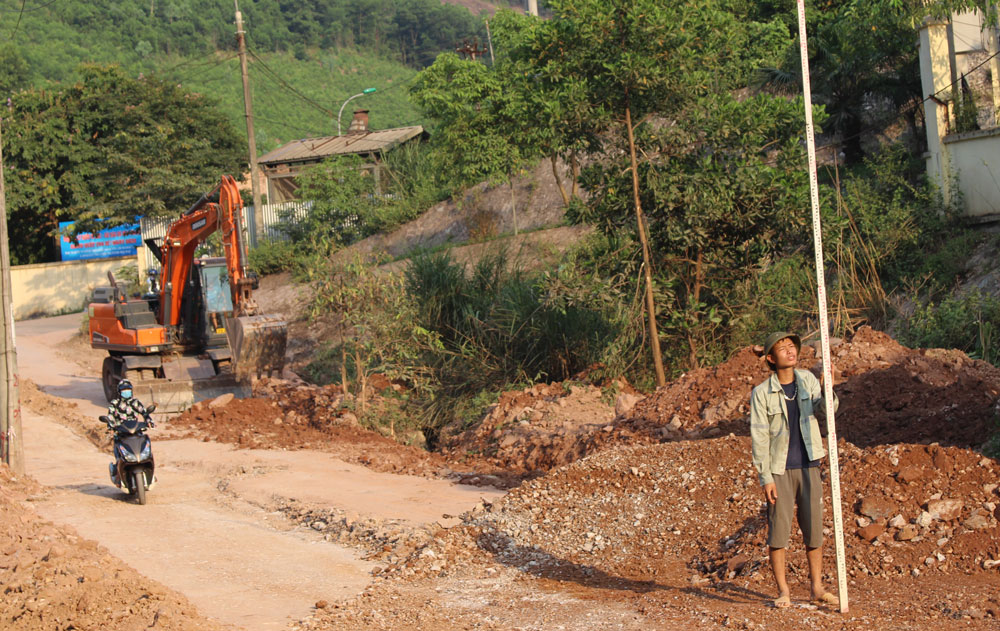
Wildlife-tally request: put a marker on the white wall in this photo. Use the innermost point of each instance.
(50, 288)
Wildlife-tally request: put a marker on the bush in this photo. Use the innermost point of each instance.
(779, 298)
(499, 325)
(968, 322)
(275, 256)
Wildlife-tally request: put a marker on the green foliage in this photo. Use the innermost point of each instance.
(966, 111)
(863, 61)
(326, 79)
(109, 148)
(15, 74)
(127, 278)
(875, 225)
(351, 202)
(723, 193)
(410, 31)
(278, 255)
(779, 297)
(501, 326)
(380, 330)
(474, 138)
(969, 322)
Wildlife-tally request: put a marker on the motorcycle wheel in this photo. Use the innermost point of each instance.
(140, 487)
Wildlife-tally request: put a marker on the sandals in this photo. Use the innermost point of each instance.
(826, 598)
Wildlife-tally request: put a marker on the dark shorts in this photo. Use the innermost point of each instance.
(800, 492)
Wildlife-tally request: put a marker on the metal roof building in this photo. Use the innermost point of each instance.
(284, 164)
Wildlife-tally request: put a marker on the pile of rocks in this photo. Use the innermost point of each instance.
(290, 415)
(538, 428)
(633, 513)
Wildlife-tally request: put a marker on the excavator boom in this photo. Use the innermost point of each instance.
(203, 333)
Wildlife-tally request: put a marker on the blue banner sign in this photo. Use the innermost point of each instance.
(119, 241)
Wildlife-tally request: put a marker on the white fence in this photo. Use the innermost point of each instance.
(274, 216)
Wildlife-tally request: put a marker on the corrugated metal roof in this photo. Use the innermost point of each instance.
(319, 148)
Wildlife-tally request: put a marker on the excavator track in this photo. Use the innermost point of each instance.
(185, 381)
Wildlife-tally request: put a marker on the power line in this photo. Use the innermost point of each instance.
(274, 75)
(33, 9)
(19, 15)
(293, 127)
(192, 60)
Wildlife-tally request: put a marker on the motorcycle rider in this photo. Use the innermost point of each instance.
(124, 407)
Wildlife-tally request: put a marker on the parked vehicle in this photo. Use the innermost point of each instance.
(133, 470)
(198, 333)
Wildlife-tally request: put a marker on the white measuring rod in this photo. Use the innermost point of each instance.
(824, 322)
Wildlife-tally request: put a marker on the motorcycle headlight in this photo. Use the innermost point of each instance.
(126, 454)
(147, 451)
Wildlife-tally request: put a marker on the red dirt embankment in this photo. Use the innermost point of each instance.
(888, 394)
(284, 415)
(53, 579)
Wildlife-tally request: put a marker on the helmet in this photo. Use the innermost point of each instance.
(125, 389)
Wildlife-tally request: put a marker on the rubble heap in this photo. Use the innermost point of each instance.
(286, 415)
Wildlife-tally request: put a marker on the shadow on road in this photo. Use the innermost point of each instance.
(97, 490)
(78, 388)
(542, 564)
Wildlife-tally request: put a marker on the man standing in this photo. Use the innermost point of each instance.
(787, 446)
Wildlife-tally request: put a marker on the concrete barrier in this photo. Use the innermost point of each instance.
(52, 288)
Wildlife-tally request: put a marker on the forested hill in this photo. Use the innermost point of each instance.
(54, 35)
(307, 56)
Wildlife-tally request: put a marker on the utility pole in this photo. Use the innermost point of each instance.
(258, 210)
(11, 445)
(533, 7)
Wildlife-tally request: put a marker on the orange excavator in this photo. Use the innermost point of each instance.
(200, 333)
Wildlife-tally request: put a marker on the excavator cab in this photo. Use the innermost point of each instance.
(198, 333)
(207, 303)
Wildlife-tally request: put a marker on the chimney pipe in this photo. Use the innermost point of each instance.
(359, 124)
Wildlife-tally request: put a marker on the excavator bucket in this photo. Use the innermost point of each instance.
(183, 380)
(258, 345)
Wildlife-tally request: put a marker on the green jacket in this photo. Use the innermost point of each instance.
(769, 423)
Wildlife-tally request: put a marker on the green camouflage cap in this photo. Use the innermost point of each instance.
(776, 337)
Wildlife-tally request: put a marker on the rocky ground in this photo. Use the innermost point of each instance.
(632, 512)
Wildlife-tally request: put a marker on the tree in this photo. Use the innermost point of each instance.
(107, 150)
(864, 69)
(468, 103)
(655, 82)
(724, 188)
(14, 71)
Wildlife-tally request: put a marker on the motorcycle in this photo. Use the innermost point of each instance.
(133, 468)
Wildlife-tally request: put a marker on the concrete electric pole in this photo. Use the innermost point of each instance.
(258, 210)
(11, 445)
(533, 7)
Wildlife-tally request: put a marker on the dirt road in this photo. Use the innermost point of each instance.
(210, 530)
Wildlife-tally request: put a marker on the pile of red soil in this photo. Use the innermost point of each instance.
(534, 429)
(282, 415)
(630, 514)
(888, 394)
(53, 579)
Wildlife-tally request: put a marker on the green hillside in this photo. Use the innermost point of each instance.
(299, 98)
(307, 56)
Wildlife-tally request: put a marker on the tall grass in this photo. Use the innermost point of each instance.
(501, 325)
